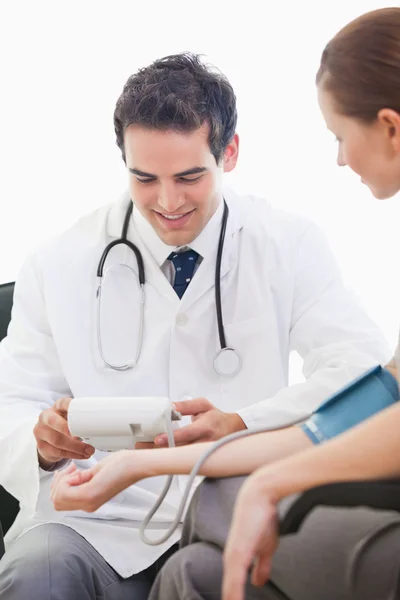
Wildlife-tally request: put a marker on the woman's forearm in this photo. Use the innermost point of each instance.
(239, 457)
(370, 450)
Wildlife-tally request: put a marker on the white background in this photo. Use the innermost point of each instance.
(63, 65)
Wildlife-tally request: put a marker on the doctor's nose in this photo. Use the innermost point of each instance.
(170, 198)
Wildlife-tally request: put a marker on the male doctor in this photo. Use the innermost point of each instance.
(280, 290)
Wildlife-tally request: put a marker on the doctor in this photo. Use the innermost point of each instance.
(215, 272)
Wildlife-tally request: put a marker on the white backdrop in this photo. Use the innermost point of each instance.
(64, 65)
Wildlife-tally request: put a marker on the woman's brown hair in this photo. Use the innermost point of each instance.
(360, 66)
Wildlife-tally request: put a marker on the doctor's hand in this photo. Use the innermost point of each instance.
(208, 424)
(253, 537)
(54, 440)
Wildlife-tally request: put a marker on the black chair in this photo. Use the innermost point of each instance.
(9, 506)
(6, 302)
(382, 495)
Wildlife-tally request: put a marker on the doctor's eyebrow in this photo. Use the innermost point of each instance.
(193, 171)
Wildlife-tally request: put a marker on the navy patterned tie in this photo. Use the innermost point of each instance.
(184, 263)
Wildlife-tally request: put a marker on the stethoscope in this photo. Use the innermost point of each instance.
(227, 361)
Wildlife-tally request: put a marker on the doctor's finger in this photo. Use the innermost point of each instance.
(186, 435)
(190, 434)
(54, 445)
(55, 421)
(61, 405)
(55, 434)
(193, 407)
(54, 455)
(55, 431)
(145, 446)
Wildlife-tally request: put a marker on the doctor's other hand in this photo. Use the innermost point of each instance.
(75, 489)
(253, 537)
(53, 438)
(208, 424)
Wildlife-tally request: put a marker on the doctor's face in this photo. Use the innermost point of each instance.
(372, 151)
(174, 179)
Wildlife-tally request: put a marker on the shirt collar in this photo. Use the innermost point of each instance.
(204, 244)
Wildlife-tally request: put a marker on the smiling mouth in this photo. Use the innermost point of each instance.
(177, 220)
(172, 217)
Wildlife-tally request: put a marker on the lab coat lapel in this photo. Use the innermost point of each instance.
(204, 278)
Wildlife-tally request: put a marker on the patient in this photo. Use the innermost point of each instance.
(340, 553)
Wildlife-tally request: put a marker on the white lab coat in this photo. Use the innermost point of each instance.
(281, 291)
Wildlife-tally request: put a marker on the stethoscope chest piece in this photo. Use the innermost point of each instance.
(227, 362)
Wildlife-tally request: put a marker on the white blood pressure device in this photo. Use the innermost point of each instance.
(110, 424)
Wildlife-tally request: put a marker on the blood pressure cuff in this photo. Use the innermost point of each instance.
(369, 394)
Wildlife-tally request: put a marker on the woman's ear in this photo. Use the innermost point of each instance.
(389, 120)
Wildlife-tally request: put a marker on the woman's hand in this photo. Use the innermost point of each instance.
(73, 489)
(253, 538)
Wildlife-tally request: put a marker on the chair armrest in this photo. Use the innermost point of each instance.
(383, 495)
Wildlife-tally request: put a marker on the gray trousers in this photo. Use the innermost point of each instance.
(339, 554)
(53, 562)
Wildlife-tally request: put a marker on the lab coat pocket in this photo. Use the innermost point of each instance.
(262, 372)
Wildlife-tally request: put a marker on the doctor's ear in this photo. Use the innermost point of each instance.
(231, 154)
(390, 120)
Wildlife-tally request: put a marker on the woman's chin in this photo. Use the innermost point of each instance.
(380, 193)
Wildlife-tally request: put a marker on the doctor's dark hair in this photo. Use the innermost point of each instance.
(360, 66)
(181, 93)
